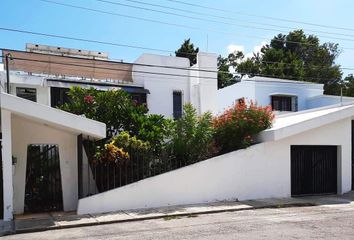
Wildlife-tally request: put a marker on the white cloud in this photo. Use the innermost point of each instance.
(235, 48)
(256, 49)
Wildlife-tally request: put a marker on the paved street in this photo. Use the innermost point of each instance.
(320, 222)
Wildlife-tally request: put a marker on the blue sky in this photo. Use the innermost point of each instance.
(38, 16)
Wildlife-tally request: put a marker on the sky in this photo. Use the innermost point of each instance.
(235, 26)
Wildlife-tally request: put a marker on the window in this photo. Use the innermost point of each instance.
(58, 96)
(177, 104)
(27, 93)
(139, 98)
(284, 103)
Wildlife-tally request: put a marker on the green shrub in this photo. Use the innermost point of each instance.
(119, 112)
(115, 108)
(237, 126)
(192, 137)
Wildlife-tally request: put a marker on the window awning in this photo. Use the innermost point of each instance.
(62, 83)
(139, 90)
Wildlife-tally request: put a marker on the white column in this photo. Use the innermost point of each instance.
(7, 164)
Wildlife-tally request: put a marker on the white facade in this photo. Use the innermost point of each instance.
(198, 87)
(261, 89)
(261, 171)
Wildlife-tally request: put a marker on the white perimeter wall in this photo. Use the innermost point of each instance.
(25, 132)
(261, 171)
(327, 100)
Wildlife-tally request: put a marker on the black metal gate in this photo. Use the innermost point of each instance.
(313, 170)
(43, 179)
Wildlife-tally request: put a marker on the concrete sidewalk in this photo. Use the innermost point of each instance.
(50, 222)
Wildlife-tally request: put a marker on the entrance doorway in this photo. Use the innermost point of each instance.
(313, 170)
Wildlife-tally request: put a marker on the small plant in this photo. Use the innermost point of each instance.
(129, 143)
(192, 137)
(236, 127)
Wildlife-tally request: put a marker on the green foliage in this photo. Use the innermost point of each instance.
(187, 50)
(236, 127)
(119, 112)
(192, 136)
(154, 129)
(225, 77)
(115, 108)
(130, 143)
(349, 86)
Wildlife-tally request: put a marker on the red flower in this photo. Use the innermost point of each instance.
(89, 99)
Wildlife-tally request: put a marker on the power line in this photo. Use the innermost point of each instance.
(192, 69)
(260, 16)
(215, 21)
(116, 69)
(103, 42)
(167, 74)
(175, 24)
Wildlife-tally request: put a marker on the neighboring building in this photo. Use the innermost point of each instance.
(44, 74)
(283, 95)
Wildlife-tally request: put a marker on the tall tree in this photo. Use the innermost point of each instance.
(297, 56)
(349, 85)
(187, 50)
(225, 74)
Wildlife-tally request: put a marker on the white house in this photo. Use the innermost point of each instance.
(283, 95)
(165, 83)
(314, 141)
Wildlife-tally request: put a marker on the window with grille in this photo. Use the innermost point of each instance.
(177, 104)
(27, 93)
(284, 103)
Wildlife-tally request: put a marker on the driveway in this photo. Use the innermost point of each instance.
(333, 220)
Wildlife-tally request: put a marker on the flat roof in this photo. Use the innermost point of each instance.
(52, 117)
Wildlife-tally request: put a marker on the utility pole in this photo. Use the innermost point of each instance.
(7, 57)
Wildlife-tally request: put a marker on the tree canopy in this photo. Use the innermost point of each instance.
(294, 56)
(187, 50)
(349, 85)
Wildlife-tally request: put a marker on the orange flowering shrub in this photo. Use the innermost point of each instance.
(236, 127)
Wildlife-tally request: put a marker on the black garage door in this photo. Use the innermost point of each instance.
(313, 170)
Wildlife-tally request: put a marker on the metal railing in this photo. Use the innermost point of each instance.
(106, 176)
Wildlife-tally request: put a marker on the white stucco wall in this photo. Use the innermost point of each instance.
(25, 132)
(261, 89)
(261, 171)
(7, 164)
(178, 76)
(42, 92)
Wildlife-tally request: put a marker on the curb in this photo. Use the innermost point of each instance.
(42, 229)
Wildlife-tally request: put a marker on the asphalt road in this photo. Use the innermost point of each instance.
(319, 222)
